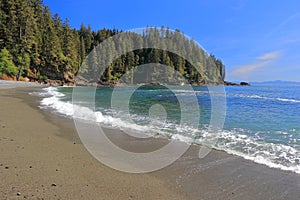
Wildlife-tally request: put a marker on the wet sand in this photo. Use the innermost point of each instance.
(41, 156)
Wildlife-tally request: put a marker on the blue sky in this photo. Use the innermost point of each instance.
(256, 40)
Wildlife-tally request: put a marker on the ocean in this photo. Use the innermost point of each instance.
(261, 122)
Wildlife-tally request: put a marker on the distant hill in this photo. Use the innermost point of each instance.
(276, 82)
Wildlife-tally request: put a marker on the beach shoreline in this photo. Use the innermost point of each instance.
(42, 157)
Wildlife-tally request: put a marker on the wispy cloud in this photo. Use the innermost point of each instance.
(260, 62)
(283, 23)
(244, 70)
(270, 56)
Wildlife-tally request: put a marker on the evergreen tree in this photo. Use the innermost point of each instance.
(6, 64)
(37, 44)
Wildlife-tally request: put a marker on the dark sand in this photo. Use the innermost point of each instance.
(38, 149)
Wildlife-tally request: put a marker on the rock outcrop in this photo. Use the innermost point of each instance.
(244, 84)
(226, 83)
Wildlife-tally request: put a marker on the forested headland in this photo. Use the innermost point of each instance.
(38, 46)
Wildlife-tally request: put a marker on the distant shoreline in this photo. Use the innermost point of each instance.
(57, 83)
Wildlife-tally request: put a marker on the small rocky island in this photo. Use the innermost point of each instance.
(226, 83)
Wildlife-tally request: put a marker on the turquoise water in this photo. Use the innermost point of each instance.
(261, 123)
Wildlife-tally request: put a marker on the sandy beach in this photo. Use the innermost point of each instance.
(38, 159)
(41, 157)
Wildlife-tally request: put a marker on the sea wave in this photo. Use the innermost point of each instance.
(53, 101)
(235, 141)
(268, 98)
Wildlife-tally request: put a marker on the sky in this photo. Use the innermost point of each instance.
(257, 40)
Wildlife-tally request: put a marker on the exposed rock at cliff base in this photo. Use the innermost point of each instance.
(244, 84)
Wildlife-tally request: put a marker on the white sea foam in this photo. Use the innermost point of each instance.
(273, 155)
(52, 101)
(268, 98)
(182, 138)
(236, 141)
(289, 100)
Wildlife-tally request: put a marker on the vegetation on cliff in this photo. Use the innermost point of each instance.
(37, 45)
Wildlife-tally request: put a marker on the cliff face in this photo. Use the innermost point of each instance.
(51, 75)
(68, 79)
(63, 79)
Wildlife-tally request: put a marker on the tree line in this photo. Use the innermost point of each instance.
(41, 46)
